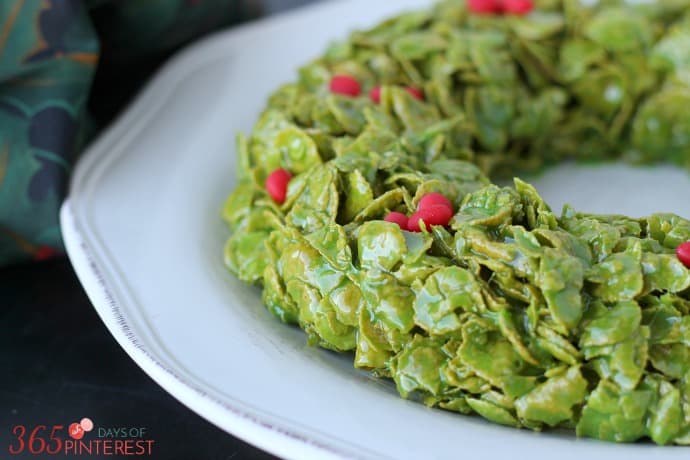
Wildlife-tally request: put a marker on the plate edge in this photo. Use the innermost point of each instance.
(281, 442)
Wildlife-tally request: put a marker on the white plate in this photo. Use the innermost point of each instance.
(143, 231)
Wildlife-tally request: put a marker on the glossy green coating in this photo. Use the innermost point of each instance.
(526, 317)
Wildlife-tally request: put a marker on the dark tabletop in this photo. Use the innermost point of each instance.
(60, 364)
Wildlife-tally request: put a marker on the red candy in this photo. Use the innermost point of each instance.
(413, 222)
(485, 6)
(683, 253)
(397, 218)
(346, 85)
(431, 215)
(434, 199)
(277, 184)
(375, 94)
(433, 209)
(415, 92)
(519, 7)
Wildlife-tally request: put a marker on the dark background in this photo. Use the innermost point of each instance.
(58, 364)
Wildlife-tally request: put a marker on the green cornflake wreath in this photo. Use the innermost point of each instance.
(504, 309)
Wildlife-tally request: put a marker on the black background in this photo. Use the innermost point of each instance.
(58, 364)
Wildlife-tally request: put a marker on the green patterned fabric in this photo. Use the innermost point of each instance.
(60, 62)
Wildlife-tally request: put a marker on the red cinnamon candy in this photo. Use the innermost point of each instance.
(397, 218)
(345, 85)
(415, 92)
(277, 184)
(432, 215)
(433, 199)
(375, 94)
(485, 6)
(433, 209)
(683, 253)
(519, 7)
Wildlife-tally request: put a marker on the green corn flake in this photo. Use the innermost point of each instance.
(416, 368)
(444, 292)
(561, 279)
(615, 415)
(552, 402)
(493, 412)
(619, 276)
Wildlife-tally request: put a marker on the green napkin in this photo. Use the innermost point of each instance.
(66, 67)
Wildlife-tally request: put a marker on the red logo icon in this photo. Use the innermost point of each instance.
(77, 430)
